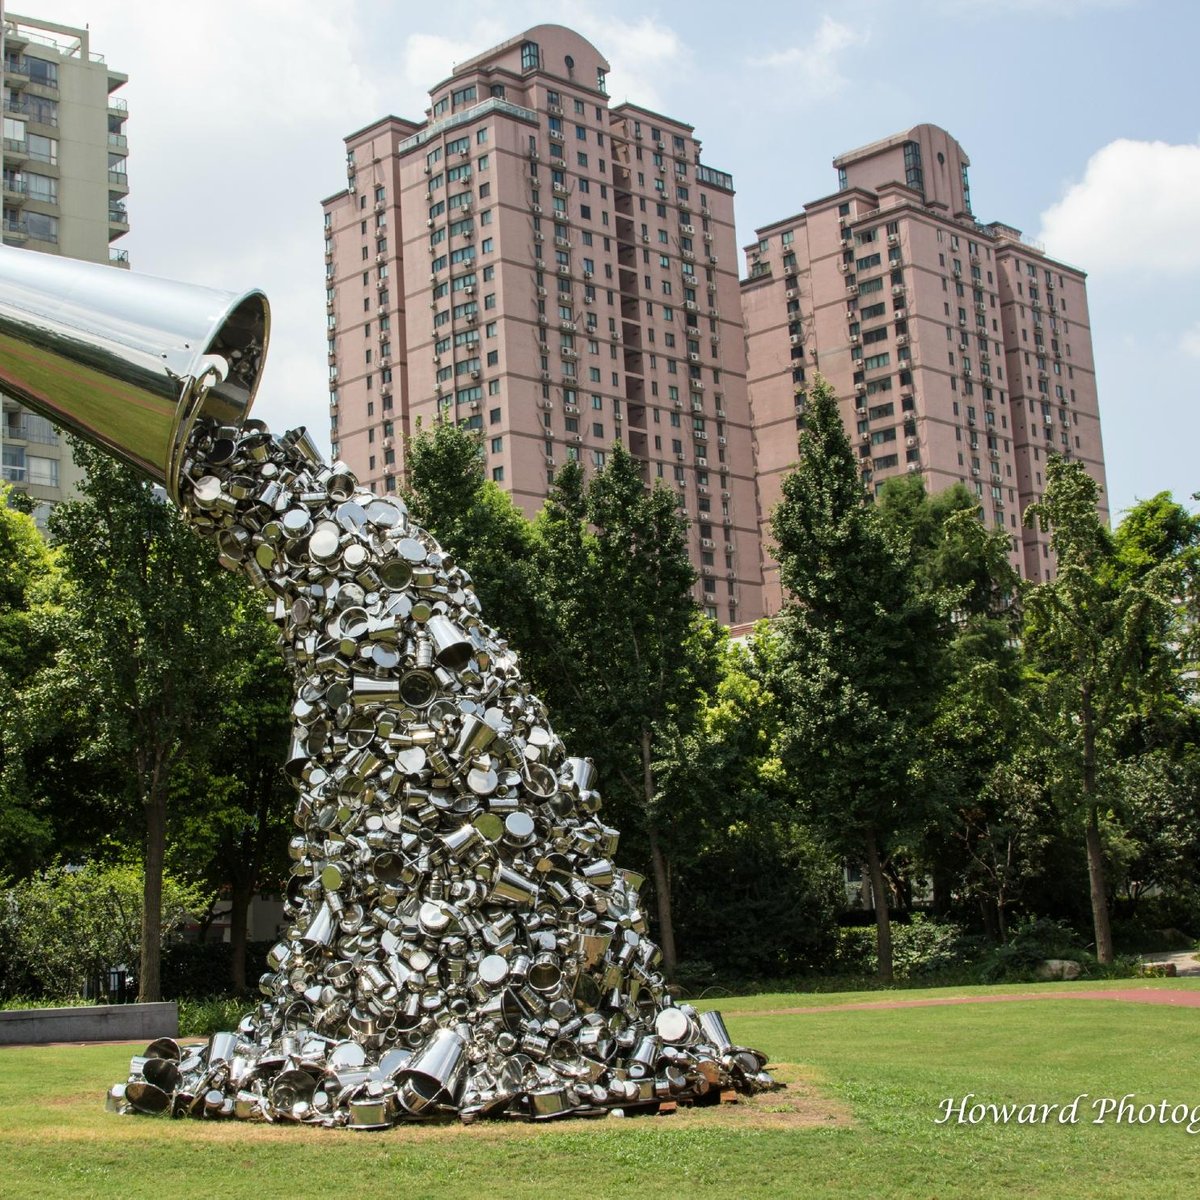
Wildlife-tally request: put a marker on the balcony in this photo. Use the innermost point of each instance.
(16, 148)
(14, 230)
(22, 427)
(119, 258)
(118, 141)
(15, 188)
(118, 180)
(17, 107)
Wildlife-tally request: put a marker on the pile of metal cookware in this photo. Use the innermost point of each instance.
(459, 940)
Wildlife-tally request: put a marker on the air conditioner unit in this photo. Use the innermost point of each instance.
(536, 209)
(913, 468)
(859, 363)
(587, 275)
(854, 339)
(437, 358)
(474, 374)
(790, 294)
(898, 290)
(796, 339)
(712, 258)
(893, 239)
(910, 441)
(902, 339)
(472, 318)
(549, 460)
(706, 543)
(564, 270)
(866, 437)
(645, 237)
(538, 236)
(974, 470)
(541, 291)
(380, 205)
(694, 358)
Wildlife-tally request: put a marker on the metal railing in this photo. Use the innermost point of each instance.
(494, 104)
(119, 256)
(11, 226)
(16, 145)
(118, 141)
(118, 177)
(31, 431)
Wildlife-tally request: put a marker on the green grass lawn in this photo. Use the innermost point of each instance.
(859, 1120)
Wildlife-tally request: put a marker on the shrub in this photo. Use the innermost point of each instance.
(65, 928)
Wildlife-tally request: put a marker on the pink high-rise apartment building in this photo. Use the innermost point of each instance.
(957, 349)
(559, 273)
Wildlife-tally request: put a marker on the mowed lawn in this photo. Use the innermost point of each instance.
(857, 1121)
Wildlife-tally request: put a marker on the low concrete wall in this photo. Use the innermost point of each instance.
(93, 1023)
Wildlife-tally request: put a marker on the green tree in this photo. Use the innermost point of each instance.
(231, 811)
(962, 569)
(623, 653)
(860, 649)
(475, 520)
(29, 583)
(1099, 637)
(148, 613)
(66, 927)
(756, 891)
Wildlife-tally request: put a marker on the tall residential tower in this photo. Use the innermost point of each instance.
(560, 273)
(957, 349)
(64, 185)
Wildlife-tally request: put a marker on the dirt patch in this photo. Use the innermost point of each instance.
(802, 1105)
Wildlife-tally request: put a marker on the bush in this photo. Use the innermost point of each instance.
(1030, 942)
(212, 1014)
(921, 947)
(64, 929)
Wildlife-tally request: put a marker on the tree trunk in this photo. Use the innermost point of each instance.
(241, 893)
(660, 867)
(883, 922)
(1097, 880)
(149, 981)
(1099, 889)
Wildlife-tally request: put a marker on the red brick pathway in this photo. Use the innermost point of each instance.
(1179, 997)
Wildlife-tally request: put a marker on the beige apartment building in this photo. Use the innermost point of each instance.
(64, 185)
(957, 349)
(560, 273)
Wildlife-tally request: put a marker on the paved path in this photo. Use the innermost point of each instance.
(1178, 997)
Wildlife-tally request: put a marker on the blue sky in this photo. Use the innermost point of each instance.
(1081, 118)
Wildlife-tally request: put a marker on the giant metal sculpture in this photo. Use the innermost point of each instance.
(460, 940)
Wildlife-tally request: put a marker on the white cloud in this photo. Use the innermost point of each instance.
(645, 54)
(813, 66)
(1043, 8)
(1189, 343)
(1133, 212)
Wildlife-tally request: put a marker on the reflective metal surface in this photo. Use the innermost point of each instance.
(460, 941)
(125, 360)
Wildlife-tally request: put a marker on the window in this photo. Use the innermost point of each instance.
(913, 175)
(462, 95)
(43, 149)
(530, 56)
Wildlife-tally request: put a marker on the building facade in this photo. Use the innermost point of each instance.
(64, 184)
(558, 272)
(957, 349)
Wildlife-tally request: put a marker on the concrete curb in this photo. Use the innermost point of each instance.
(90, 1023)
